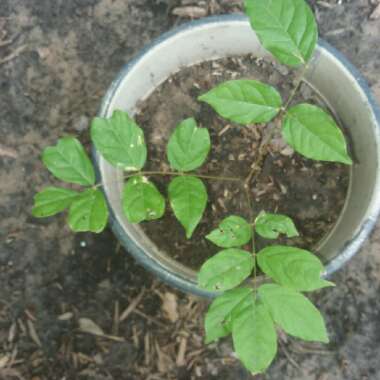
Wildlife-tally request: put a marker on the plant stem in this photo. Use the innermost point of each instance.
(256, 165)
(254, 254)
(251, 214)
(299, 81)
(178, 174)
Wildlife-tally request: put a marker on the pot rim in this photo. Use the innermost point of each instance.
(351, 247)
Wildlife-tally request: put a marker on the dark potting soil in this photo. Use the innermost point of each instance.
(311, 192)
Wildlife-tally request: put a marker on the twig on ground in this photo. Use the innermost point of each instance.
(116, 319)
(8, 152)
(288, 356)
(150, 319)
(181, 361)
(13, 55)
(132, 306)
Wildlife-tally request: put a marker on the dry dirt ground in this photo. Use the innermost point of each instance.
(77, 307)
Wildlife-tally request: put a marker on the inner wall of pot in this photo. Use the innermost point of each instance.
(325, 74)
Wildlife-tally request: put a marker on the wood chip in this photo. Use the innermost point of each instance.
(33, 333)
(88, 326)
(224, 130)
(12, 333)
(164, 362)
(66, 316)
(4, 361)
(181, 361)
(190, 12)
(147, 349)
(170, 306)
(135, 336)
(8, 152)
(325, 4)
(116, 319)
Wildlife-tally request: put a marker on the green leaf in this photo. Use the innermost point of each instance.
(188, 199)
(254, 337)
(120, 141)
(244, 101)
(142, 201)
(292, 267)
(51, 201)
(294, 313)
(69, 162)
(188, 146)
(286, 28)
(234, 231)
(226, 270)
(313, 133)
(219, 316)
(270, 226)
(89, 212)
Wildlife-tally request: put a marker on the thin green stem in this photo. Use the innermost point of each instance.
(253, 241)
(255, 167)
(299, 81)
(178, 174)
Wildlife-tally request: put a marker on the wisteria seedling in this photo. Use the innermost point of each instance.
(251, 313)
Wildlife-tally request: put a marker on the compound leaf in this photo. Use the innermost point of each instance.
(52, 200)
(312, 132)
(120, 141)
(141, 200)
(270, 226)
(233, 231)
(292, 267)
(220, 314)
(294, 313)
(188, 199)
(89, 212)
(226, 270)
(286, 28)
(244, 101)
(188, 146)
(254, 337)
(69, 162)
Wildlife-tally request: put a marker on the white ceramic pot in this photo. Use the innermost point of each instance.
(330, 74)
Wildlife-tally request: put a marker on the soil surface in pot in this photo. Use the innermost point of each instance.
(311, 192)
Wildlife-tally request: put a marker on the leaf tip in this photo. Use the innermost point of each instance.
(202, 98)
(35, 213)
(347, 160)
(325, 339)
(328, 284)
(210, 339)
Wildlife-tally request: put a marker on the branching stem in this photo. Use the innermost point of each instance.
(179, 174)
(263, 149)
(258, 162)
(299, 81)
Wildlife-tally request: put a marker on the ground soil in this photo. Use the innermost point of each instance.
(311, 193)
(56, 60)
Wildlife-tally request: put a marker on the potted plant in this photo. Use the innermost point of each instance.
(249, 310)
